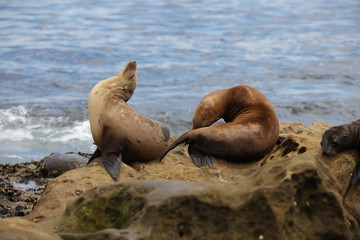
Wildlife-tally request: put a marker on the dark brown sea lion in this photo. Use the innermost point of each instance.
(340, 138)
(251, 127)
(120, 133)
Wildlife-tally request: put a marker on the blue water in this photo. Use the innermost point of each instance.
(303, 55)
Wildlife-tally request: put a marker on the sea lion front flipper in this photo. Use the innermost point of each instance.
(96, 154)
(199, 158)
(112, 162)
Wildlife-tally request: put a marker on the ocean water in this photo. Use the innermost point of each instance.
(303, 55)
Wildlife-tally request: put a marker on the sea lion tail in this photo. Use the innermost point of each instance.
(183, 138)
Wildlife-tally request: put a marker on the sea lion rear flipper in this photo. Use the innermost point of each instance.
(112, 162)
(182, 139)
(199, 158)
(96, 154)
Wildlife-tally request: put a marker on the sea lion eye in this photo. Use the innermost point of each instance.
(131, 77)
(333, 144)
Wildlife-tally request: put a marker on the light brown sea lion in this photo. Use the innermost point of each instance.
(120, 133)
(251, 129)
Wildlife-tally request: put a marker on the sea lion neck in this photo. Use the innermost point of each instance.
(122, 86)
(236, 104)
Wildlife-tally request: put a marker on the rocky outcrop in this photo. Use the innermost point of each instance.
(16, 229)
(292, 193)
(294, 198)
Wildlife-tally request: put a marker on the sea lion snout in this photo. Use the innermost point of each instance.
(328, 152)
(131, 66)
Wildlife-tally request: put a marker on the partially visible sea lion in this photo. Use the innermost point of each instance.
(57, 163)
(340, 138)
(251, 127)
(120, 133)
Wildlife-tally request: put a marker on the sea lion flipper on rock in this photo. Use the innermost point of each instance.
(112, 162)
(199, 158)
(96, 154)
(111, 153)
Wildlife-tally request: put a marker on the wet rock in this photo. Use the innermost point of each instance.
(295, 196)
(16, 228)
(20, 187)
(22, 184)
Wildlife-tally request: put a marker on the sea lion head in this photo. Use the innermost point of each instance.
(124, 83)
(335, 140)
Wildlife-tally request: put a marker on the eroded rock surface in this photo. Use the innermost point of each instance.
(294, 192)
(293, 198)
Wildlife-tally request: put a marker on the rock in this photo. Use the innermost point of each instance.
(70, 185)
(57, 163)
(20, 187)
(293, 198)
(21, 184)
(281, 182)
(16, 229)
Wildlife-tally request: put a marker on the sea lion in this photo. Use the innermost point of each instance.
(340, 138)
(120, 133)
(251, 127)
(57, 163)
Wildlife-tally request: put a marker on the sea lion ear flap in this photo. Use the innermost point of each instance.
(129, 71)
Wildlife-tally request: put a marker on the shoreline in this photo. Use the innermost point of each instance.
(22, 184)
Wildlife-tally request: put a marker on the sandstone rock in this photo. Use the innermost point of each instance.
(291, 216)
(293, 198)
(17, 229)
(68, 186)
